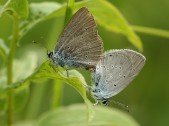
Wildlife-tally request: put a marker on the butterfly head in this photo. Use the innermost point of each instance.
(96, 93)
(99, 96)
(49, 54)
(56, 58)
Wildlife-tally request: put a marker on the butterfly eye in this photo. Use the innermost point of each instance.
(103, 66)
(49, 54)
(96, 90)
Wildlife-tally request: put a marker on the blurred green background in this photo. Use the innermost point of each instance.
(147, 96)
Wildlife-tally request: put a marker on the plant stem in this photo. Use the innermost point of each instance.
(69, 11)
(15, 36)
(57, 91)
(152, 31)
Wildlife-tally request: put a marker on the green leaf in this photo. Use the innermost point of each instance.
(74, 115)
(25, 123)
(38, 13)
(109, 17)
(41, 10)
(26, 65)
(21, 96)
(75, 80)
(23, 68)
(17, 7)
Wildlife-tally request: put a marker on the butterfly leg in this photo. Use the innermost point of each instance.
(67, 73)
(105, 102)
(96, 103)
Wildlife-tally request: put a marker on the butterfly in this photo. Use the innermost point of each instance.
(79, 45)
(115, 70)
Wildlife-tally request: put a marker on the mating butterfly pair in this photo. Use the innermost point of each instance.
(80, 46)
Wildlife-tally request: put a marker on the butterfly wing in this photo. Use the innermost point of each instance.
(116, 70)
(79, 42)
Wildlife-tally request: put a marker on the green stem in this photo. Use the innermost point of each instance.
(10, 69)
(69, 11)
(57, 90)
(152, 31)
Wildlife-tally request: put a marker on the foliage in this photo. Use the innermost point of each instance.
(19, 70)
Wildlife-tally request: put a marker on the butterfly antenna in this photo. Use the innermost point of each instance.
(67, 73)
(41, 45)
(125, 107)
(97, 102)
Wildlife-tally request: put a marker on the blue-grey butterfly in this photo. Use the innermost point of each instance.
(79, 45)
(115, 70)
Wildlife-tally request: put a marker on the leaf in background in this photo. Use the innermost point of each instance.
(21, 96)
(25, 66)
(74, 115)
(38, 13)
(109, 17)
(19, 7)
(25, 123)
(104, 12)
(75, 80)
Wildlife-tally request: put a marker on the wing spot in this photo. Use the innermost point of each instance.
(86, 56)
(110, 55)
(119, 67)
(89, 63)
(115, 85)
(103, 66)
(106, 80)
(124, 76)
(112, 66)
(107, 69)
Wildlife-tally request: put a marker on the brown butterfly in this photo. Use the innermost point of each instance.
(79, 45)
